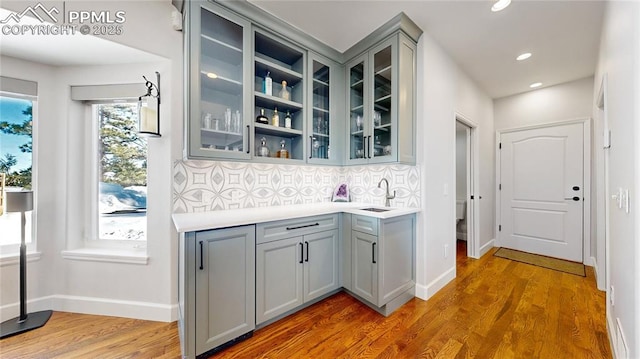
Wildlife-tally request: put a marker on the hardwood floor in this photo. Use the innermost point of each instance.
(495, 308)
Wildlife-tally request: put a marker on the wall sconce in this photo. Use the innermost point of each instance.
(149, 110)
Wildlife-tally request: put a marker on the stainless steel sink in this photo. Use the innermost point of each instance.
(375, 209)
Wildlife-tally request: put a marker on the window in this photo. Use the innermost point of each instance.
(16, 164)
(121, 162)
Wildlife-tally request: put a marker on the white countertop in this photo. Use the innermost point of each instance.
(188, 222)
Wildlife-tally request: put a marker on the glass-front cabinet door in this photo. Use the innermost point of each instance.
(382, 143)
(323, 134)
(357, 111)
(219, 43)
(372, 105)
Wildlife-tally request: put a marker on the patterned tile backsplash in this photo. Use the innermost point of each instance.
(200, 186)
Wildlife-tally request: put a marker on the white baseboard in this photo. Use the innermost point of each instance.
(425, 292)
(96, 306)
(600, 282)
(487, 247)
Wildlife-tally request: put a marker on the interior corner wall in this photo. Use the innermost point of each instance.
(619, 60)
(64, 284)
(47, 176)
(443, 91)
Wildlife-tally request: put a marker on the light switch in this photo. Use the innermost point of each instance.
(625, 200)
(445, 191)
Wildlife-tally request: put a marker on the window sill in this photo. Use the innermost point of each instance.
(14, 258)
(128, 256)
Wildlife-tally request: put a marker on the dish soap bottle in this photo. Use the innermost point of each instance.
(275, 119)
(287, 120)
(282, 153)
(267, 84)
(263, 150)
(262, 118)
(284, 93)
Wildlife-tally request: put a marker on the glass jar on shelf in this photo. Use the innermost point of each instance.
(263, 150)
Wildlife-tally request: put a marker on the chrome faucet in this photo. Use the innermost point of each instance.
(387, 196)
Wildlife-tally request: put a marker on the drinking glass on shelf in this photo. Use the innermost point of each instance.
(358, 123)
(227, 120)
(377, 118)
(236, 119)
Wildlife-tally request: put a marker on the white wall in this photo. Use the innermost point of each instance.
(620, 60)
(562, 102)
(143, 291)
(443, 91)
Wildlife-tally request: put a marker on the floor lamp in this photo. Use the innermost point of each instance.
(22, 201)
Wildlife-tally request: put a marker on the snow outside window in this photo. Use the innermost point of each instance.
(16, 164)
(122, 173)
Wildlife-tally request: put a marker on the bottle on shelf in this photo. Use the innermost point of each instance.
(263, 150)
(287, 120)
(268, 84)
(282, 153)
(275, 119)
(262, 118)
(284, 93)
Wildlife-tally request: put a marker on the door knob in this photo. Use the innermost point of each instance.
(576, 188)
(576, 198)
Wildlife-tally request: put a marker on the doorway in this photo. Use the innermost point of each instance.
(466, 228)
(544, 190)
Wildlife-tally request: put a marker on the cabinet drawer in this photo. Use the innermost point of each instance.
(364, 224)
(272, 231)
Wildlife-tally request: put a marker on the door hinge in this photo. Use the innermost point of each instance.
(499, 228)
(500, 187)
(471, 196)
(500, 145)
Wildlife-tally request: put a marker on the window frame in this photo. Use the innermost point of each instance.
(12, 250)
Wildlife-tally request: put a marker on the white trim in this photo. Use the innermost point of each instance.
(14, 258)
(96, 306)
(586, 173)
(107, 255)
(487, 247)
(473, 161)
(425, 292)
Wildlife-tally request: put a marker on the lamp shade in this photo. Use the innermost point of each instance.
(19, 201)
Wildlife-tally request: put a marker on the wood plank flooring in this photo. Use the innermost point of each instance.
(495, 308)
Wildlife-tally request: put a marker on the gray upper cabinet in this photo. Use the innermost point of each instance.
(324, 128)
(381, 89)
(243, 64)
(218, 101)
(216, 288)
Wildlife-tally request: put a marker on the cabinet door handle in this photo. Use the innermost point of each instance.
(248, 139)
(307, 244)
(310, 146)
(373, 252)
(201, 256)
(304, 226)
(301, 252)
(369, 147)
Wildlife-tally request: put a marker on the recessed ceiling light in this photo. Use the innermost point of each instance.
(524, 56)
(500, 5)
(535, 84)
(211, 75)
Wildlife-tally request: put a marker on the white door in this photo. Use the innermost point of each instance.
(541, 196)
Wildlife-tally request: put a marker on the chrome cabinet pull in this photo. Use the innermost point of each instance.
(305, 226)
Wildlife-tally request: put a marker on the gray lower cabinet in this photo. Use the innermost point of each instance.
(216, 288)
(383, 261)
(293, 271)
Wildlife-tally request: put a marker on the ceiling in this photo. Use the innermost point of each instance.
(68, 50)
(563, 36)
